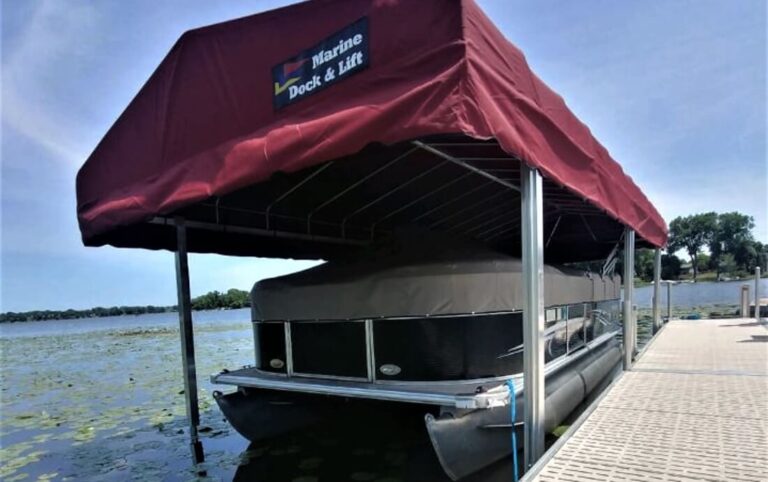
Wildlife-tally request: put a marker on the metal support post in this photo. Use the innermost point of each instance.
(629, 280)
(744, 301)
(656, 290)
(187, 341)
(533, 312)
(669, 301)
(757, 294)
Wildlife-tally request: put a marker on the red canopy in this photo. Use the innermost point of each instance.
(210, 121)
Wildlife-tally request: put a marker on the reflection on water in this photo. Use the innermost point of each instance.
(385, 448)
(386, 445)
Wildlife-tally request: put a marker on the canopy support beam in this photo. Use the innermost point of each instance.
(656, 290)
(629, 282)
(554, 230)
(532, 222)
(454, 200)
(294, 189)
(468, 208)
(757, 294)
(354, 186)
(187, 341)
(259, 232)
(465, 165)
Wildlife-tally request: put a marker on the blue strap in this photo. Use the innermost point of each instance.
(513, 417)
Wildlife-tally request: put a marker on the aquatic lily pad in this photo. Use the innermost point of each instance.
(17, 477)
(560, 430)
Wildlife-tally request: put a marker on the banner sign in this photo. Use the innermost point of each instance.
(335, 58)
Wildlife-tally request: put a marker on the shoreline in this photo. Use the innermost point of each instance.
(124, 315)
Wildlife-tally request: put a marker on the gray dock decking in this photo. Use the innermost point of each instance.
(693, 407)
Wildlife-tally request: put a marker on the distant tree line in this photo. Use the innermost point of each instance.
(214, 300)
(720, 245)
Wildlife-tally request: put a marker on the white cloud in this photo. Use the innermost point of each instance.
(57, 35)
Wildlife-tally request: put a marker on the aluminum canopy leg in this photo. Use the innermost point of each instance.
(533, 313)
(187, 341)
(757, 294)
(629, 282)
(656, 291)
(669, 301)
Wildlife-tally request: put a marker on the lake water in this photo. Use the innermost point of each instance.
(202, 320)
(101, 399)
(690, 295)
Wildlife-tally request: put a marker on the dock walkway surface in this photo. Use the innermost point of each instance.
(693, 407)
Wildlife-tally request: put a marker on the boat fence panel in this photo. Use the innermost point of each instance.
(330, 349)
(606, 317)
(271, 341)
(455, 348)
(435, 348)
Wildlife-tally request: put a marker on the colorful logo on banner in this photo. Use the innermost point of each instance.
(291, 73)
(335, 58)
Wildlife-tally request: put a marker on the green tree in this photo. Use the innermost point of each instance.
(691, 233)
(762, 256)
(644, 264)
(704, 262)
(670, 266)
(733, 235)
(727, 264)
(233, 298)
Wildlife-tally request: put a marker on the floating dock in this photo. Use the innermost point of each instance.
(694, 406)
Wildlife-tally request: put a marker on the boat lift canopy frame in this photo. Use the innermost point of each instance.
(451, 184)
(528, 224)
(461, 138)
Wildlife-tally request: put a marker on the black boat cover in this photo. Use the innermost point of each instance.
(433, 279)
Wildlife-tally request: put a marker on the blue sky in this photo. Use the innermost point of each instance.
(676, 90)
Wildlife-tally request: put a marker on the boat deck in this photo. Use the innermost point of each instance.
(465, 394)
(459, 394)
(693, 407)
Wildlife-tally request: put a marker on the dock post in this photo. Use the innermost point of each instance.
(629, 282)
(531, 195)
(656, 290)
(744, 302)
(757, 294)
(187, 341)
(669, 301)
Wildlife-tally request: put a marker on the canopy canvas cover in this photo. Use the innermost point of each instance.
(254, 124)
(322, 129)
